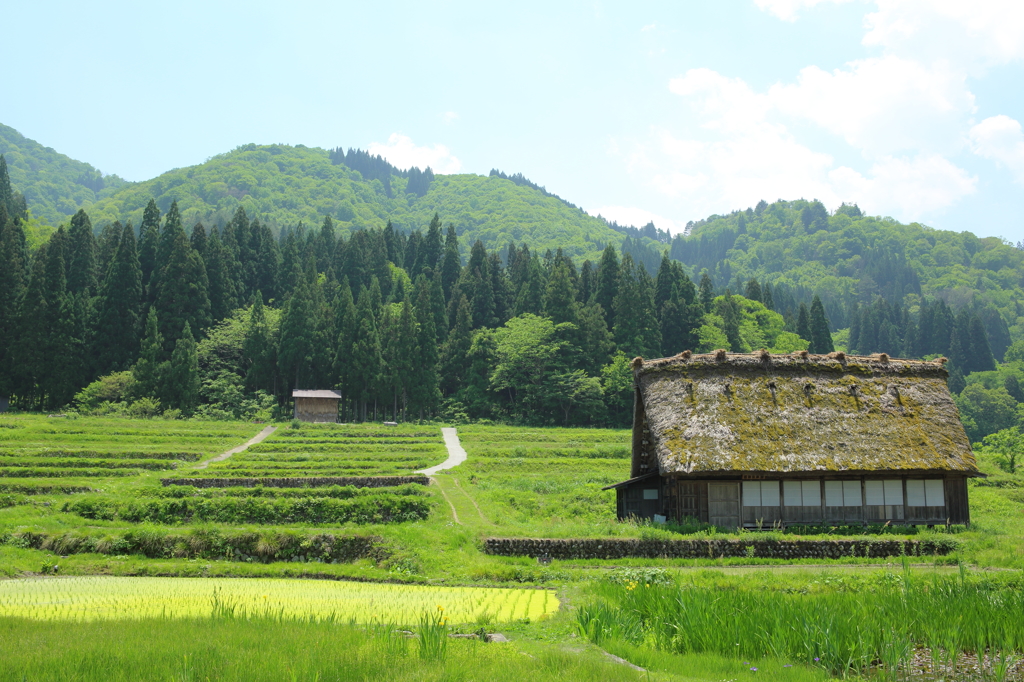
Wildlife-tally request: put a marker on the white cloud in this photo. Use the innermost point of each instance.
(742, 147)
(787, 10)
(907, 188)
(402, 153)
(973, 34)
(449, 117)
(638, 217)
(1000, 139)
(883, 105)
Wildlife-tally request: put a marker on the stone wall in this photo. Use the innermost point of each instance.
(714, 549)
(305, 482)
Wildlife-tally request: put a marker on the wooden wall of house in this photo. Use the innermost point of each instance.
(316, 409)
(878, 498)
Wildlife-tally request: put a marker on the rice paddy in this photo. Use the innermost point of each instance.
(104, 598)
(337, 450)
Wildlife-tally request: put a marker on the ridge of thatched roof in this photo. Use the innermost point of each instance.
(758, 412)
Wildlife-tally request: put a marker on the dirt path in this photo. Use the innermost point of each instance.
(456, 455)
(455, 514)
(252, 441)
(469, 497)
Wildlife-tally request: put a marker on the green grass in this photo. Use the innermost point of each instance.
(840, 625)
(336, 450)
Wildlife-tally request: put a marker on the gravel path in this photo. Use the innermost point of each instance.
(456, 455)
(256, 439)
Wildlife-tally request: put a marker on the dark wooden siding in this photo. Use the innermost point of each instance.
(957, 509)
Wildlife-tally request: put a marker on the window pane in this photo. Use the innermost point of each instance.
(873, 492)
(651, 494)
(833, 493)
(770, 493)
(751, 493)
(793, 493)
(893, 492)
(915, 492)
(812, 493)
(935, 492)
(851, 494)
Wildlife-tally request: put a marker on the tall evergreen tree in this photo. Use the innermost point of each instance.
(425, 393)
(119, 313)
(298, 323)
(30, 355)
(456, 349)
(451, 265)
(81, 255)
(367, 361)
(981, 359)
(607, 284)
(198, 240)
(181, 385)
(106, 246)
(530, 298)
(430, 253)
(803, 323)
(821, 335)
(14, 266)
(6, 192)
(222, 293)
(258, 350)
(345, 332)
(753, 291)
(149, 239)
(183, 292)
(560, 301)
(706, 292)
(636, 325)
(150, 367)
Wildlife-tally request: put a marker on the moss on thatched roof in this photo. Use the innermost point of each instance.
(797, 413)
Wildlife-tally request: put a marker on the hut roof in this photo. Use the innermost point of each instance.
(725, 412)
(334, 395)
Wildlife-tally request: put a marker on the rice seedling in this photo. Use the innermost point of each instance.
(843, 631)
(104, 598)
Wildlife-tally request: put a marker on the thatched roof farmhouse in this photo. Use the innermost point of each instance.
(758, 440)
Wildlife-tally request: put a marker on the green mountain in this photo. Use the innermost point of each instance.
(285, 186)
(54, 185)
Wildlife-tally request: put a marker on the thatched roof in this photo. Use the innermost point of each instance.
(726, 412)
(333, 395)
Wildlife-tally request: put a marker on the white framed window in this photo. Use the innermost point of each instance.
(883, 492)
(802, 493)
(926, 493)
(843, 494)
(760, 493)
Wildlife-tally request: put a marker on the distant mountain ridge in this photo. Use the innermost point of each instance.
(287, 185)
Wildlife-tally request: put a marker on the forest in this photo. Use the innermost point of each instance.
(224, 320)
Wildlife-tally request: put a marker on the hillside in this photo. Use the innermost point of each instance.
(849, 259)
(54, 185)
(284, 185)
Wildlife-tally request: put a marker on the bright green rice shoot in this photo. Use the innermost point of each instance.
(105, 598)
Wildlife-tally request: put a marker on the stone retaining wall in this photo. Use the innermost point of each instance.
(297, 482)
(707, 548)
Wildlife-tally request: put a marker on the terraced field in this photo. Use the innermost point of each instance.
(320, 450)
(529, 479)
(40, 452)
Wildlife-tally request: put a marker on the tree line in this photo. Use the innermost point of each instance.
(212, 320)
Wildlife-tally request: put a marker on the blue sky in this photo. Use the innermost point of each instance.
(668, 111)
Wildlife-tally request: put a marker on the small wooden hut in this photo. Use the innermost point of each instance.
(763, 440)
(316, 406)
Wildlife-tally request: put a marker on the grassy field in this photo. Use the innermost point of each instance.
(105, 512)
(337, 450)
